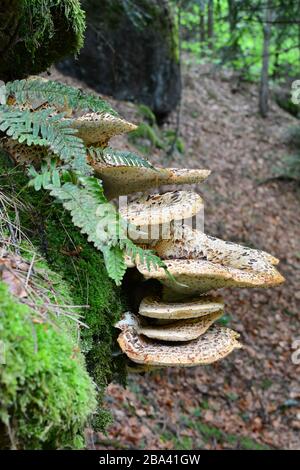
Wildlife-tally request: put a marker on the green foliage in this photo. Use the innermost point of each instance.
(82, 195)
(46, 128)
(56, 94)
(145, 137)
(290, 167)
(110, 156)
(82, 280)
(238, 35)
(101, 222)
(45, 388)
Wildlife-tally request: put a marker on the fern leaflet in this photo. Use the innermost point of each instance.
(110, 156)
(47, 129)
(56, 94)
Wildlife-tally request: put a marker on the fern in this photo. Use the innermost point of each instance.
(114, 262)
(101, 222)
(47, 129)
(56, 94)
(118, 158)
(147, 257)
(48, 175)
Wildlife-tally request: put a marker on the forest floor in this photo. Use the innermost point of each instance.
(251, 399)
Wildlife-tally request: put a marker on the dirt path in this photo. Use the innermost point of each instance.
(254, 394)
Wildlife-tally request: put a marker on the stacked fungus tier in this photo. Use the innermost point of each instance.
(177, 327)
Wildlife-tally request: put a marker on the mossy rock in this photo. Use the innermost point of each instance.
(79, 277)
(130, 52)
(34, 34)
(47, 395)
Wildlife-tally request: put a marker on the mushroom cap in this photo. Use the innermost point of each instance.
(154, 308)
(158, 209)
(215, 344)
(201, 276)
(121, 180)
(179, 330)
(194, 244)
(99, 128)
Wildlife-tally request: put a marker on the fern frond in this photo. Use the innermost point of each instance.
(114, 262)
(101, 222)
(56, 94)
(147, 257)
(113, 157)
(48, 175)
(90, 212)
(45, 128)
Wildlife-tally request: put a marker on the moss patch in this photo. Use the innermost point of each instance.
(38, 33)
(82, 269)
(46, 392)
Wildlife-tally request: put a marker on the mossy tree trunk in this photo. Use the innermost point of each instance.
(34, 34)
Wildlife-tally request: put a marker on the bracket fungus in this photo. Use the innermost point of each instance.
(99, 128)
(176, 328)
(157, 209)
(213, 345)
(154, 308)
(121, 180)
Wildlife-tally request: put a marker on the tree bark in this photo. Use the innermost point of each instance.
(264, 79)
(210, 22)
(201, 26)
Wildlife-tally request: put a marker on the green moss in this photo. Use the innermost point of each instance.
(47, 31)
(81, 268)
(46, 393)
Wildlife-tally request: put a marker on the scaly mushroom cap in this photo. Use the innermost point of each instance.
(215, 344)
(154, 308)
(180, 330)
(122, 180)
(158, 209)
(99, 128)
(201, 276)
(194, 244)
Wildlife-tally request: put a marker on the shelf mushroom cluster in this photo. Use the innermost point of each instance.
(178, 327)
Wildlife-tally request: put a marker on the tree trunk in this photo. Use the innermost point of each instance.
(201, 26)
(264, 79)
(32, 38)
(210, 22)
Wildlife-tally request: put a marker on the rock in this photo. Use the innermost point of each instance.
(130, 54)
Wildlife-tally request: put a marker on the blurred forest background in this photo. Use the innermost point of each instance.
(212, 84)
